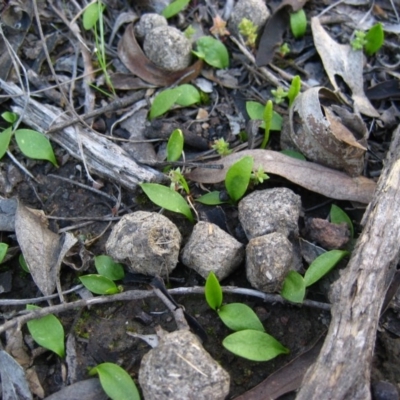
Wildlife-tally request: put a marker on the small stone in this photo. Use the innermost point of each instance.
(211, 249)
(384, 391)
(148, 22)
(168, 48)
(270, 210)
(268, 260)
(147, 242)
(329, 236)
(254, 10)
(179, 368)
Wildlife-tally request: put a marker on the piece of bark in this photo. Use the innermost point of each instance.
(103, 157)
(343, 368)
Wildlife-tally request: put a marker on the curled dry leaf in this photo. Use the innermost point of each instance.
(136, 61)
(340, 60)
(322, 136)
(312, 176)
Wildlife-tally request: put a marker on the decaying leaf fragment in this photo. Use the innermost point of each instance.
(312, 176)
(322, 136)
(341, 60)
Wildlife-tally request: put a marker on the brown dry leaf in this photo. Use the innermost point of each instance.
(219, 27)
(341, 60)
(34, 382)
(123, 81)
(275, 27)
(136, 61)
(16, 348)
(312, 176)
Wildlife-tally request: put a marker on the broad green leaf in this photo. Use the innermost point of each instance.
(294, 154)
(35, 145)
(5, 138)
(91, 15)
(3, 251)
(116, 382)
(108, 268)
(47, 332)
(23, 263)
(294, 89)
(212, 51)
(98, 284)
(322, 265)
(254, 345)
(337, 216)
(239, 316)
(298, 23)
(238, 177)
(210, 199)
(175, 145)
(256, 111)
(294, 287)
(163, 102)
(9, 117)
(188, 95)
(267, 118)
(167, 198)
(375, 38)
(174, 8)
(213, 292)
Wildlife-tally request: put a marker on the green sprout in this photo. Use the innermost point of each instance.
(178, 182)
(189, 32)
(258, 176)
(284, 50)
(370, 41)
(359, 41)
(222, 147)
(248, 30)
(279, 95)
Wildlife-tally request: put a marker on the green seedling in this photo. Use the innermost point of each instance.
(178, 181)
(3, 251)
(116, 382)
(370, 41)
(267, 118)
(175, 146)
(99, 284)
(249, 31)
(47, 332)
(221, 146)
(189, 32)
(337, 216)
(295, 285)
(258, 176)
(108, 268)
(284, 50)
(23, 264)
(31, 143)
(183, 95)
(279, 95)
(250, 339)
(212, 51)
(174, 8)
(294, 89)
(298, 23)
(256, 111)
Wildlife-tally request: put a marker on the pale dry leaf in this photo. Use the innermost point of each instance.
(340, 60)
(317, 178)
(34, 382)
(16, 348)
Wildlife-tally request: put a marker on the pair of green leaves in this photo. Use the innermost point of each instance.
(250, 340)
(108, 272)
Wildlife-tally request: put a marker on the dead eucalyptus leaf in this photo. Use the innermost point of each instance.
(317, 178)
(341, 60)
(123, 81)
(136, 61)
(323, 138)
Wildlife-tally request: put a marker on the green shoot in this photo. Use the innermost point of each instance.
(279, 95)
(222, 147)
(178, 181)
(99, 284)
(108, 268)
(258, 176)
(337, 216)
(294, 89)
(267, 118)
(249, 31)
(359, 41)
(174, 8)
(370, 41)
(189, 32)
(298, 23)
(238, 177)
(213, 292)
(284, 50)
(175, 145)
(212, 51)
(3, 251)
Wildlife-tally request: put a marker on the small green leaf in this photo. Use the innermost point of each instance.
(47, 332)
(108, 268)
(91, 15)
(294, 154)
(294, 89)
(167, 198)
(116, 382)
(35, 145)
(175, 145)
(5, 138)
(337, 216)
(294, 287)
(210, 199)
(188, 95)
(238, 177)
(239, 316)
(174, 8)
(9, 117)
(213, 292)
(212, 51)
(322, 265)
(254, 345)
(97, 284)
(23, 263)
(255, 110)
(298, 23)
(267, 118)
(163, 102)
(374, 38)
(3, 251)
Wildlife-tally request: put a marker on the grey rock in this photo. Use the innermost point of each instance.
(254, 10)
(180, 369)
(168, 47)
(148, 22)
(89, 389)
(211, 249)
(147, 242)
(268, 260)
(270, 210)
